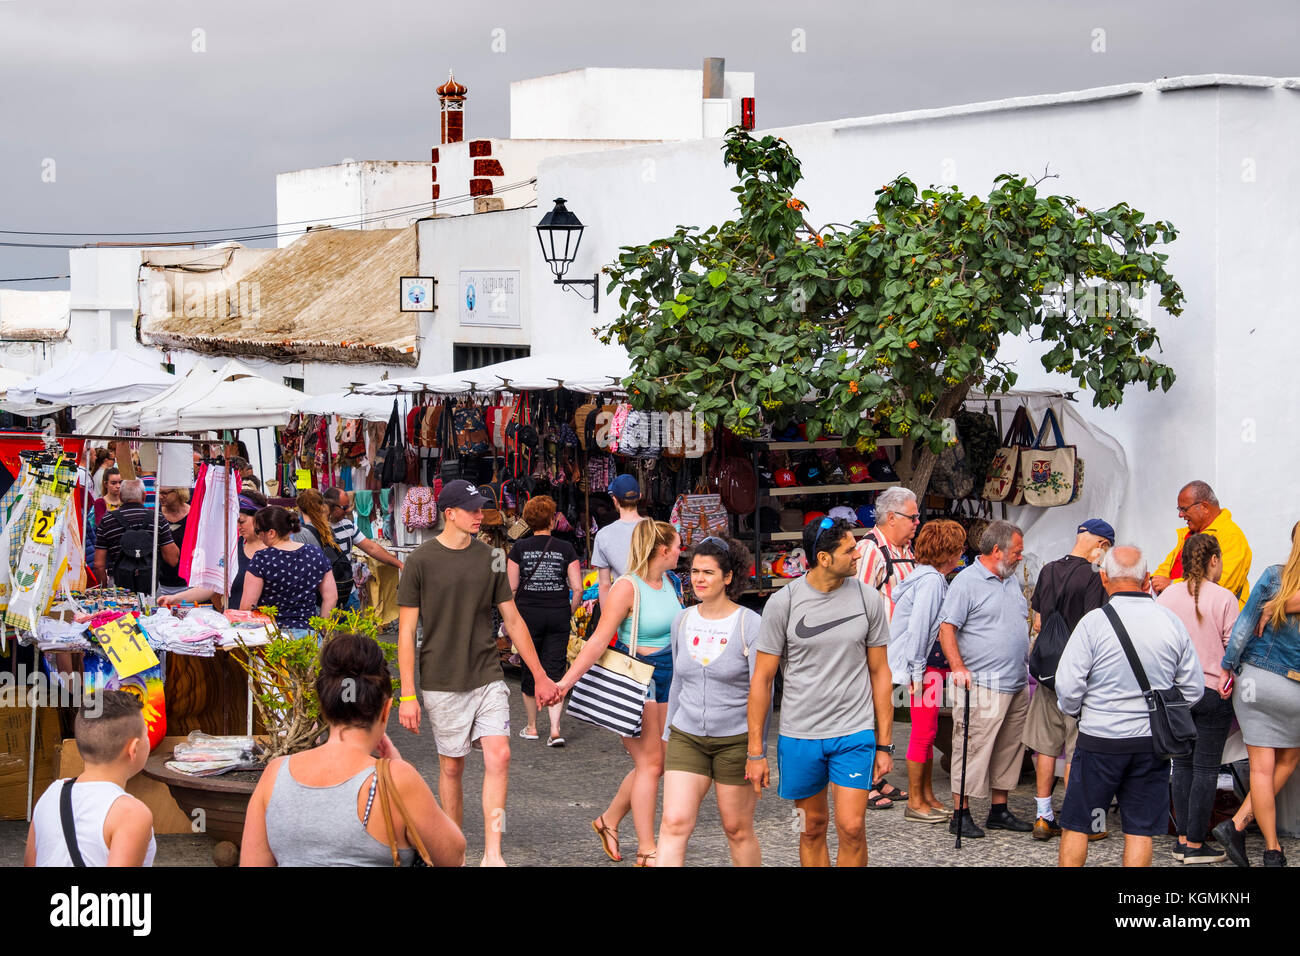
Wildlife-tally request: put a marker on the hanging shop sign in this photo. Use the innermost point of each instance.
(490, 297)
(418, 293)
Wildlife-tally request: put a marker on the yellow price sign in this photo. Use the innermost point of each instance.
(302, 479)
(125, 645)
(43, 527)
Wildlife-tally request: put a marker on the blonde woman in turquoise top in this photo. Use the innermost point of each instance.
(654, 552)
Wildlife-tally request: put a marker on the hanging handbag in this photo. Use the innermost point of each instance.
(1047, 474)
(612, 694)
(1173, 731)
(696, 517)
(393, 454)
(1003, 481)
(737, 480)
(386, 790)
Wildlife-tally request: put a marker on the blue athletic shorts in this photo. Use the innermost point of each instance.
(804, 767)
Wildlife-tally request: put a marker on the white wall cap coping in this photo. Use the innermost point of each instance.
(1169, 84)
(994, 106)
(1291, 83)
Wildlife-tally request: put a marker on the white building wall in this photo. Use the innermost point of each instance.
(1176, 155)
(596, 103)
(370, 194)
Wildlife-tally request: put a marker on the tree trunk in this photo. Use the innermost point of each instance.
(923, 466)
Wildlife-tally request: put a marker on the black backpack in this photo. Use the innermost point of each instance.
(1048, 648)
(1050, 645)
(340, 565)
(134, 567)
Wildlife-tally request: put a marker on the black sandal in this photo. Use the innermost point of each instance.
(887, 789)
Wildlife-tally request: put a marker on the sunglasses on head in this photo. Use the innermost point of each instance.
(714, 539)
(822, 527)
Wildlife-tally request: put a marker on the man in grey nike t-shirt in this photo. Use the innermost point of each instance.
(830, 635)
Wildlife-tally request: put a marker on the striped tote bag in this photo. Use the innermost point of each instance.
(612, 693)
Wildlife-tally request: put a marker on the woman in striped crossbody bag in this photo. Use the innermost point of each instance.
(641, 608)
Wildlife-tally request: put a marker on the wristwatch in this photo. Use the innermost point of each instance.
(886, 748)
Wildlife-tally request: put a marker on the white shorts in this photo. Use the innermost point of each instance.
(460, 718)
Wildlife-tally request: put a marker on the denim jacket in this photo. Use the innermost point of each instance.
(1276, 650)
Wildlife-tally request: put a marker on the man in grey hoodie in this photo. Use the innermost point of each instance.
(1096, 683)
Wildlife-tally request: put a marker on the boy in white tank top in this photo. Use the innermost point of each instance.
(96, 821)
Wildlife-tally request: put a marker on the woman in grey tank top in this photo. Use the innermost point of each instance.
(321, 807)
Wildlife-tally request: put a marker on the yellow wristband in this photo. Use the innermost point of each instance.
(403, 700)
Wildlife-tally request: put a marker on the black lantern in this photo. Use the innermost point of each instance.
(560, 234)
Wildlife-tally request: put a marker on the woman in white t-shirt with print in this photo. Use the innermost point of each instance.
(707, 721)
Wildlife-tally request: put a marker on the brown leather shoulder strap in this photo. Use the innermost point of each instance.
(412, 832)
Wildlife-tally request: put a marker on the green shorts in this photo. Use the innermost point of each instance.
(721, 759)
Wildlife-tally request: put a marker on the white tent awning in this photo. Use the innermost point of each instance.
(348, 405)
(198, 381)
(236, 398)
(94, 379)
(596, 372)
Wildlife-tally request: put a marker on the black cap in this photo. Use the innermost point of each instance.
(461, 494)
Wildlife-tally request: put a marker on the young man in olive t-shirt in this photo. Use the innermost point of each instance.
(449, 586)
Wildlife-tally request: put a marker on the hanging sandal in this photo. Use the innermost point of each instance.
(607, 835)
(643, 859)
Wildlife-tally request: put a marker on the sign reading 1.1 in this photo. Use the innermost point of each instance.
(489, 297)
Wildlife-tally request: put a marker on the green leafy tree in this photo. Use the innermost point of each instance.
(882, 327)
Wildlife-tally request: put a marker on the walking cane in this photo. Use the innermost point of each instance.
(965, 739)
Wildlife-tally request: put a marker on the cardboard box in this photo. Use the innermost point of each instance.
(167, 816)
(15, 744)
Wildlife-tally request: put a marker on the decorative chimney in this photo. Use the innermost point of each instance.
(451, 96)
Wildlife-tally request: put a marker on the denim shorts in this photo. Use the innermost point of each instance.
(662, 661)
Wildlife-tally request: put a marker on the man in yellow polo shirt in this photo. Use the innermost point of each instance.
(1198, 506)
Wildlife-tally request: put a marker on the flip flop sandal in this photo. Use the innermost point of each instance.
(643, 859)
(880, 802)
(555, 741)
(607, 835)
(526, 735)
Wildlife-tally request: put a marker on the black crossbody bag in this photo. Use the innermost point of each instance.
(69, 825)
(1173, 731)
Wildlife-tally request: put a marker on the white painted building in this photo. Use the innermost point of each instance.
(1213, 154)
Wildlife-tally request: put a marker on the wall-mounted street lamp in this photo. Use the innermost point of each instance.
(560, 233)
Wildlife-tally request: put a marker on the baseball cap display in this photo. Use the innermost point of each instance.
(785, 478)
(858, 473)
(791, 519)
(1098, 527)
(461, 494)
(625, 488)
(813, 516)
(811, 473)
(867, 516)
(882, 470)
(845, 513)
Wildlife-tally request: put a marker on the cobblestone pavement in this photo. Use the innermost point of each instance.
(555, 793)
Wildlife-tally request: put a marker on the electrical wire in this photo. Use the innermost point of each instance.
(34, 278)
(359, 221)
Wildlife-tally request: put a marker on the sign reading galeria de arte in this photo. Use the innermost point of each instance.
(489, 297)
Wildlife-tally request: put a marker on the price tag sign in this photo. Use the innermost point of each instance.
(125, 645)
(43, 527)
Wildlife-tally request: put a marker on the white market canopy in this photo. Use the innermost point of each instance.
(594, 372)
(348, 405)
(9, 378)
(235, 398)
(91, 379)
(198, 381)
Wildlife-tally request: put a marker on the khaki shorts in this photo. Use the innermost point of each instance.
(1047, 730)
(460, 718)
(994, 751)
(721, 759)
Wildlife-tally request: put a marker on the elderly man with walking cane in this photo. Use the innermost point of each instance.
(984, 633)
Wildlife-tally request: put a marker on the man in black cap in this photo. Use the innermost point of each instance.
(449, 586)
(1069, 587)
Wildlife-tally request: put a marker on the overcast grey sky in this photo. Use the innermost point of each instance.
(148, 135)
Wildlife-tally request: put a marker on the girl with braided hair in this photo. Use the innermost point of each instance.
(1208, 611)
